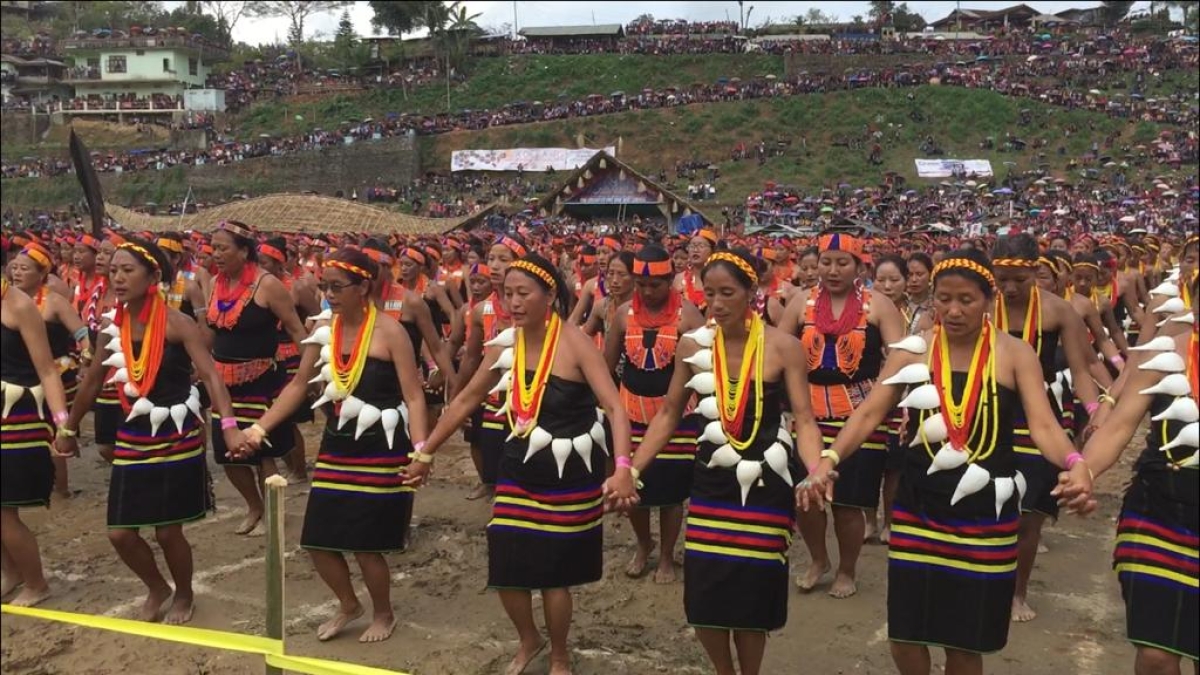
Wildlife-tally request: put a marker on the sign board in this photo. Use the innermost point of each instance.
(950, 168)
(528, 159)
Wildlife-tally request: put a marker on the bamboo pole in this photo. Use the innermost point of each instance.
(274, 515)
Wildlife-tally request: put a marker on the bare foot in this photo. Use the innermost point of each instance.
(885, 535)
(665, 575)
(152, 609)
(637, 567)
(524, 656)
(843, 586)
(560, 667)
(1043, 549)
(8, 584)
(812, 577)
(331, 628)
(248, 523)
(1021, 611)
(181, 610)
(380, 629)
(29, 597)
(479, 492)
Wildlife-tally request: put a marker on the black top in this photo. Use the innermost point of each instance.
(174, 381)
(647, 383)
(568, 407)
(868, 366)
(1002, 460)
(16, 367)
(62, 342)
(768, 430)
(1047, 354)
(414, 336)
(253, 337)
(378, 386)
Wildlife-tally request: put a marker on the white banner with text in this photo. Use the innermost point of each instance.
(527, 159)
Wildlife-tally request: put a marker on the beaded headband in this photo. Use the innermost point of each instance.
(965, 264)
(433, 254)
(513, 245)
(378, 257)
(1056, 265)
(351, 268)
(37, 255)
(536, 271)
(272, 252)
(658, 268)
(168, 244)
(1088, 264)
(415, 256)
(479, 269)
(735, 260)
(1014, 262)
(142, 253)
(838, 241)
(235, 228)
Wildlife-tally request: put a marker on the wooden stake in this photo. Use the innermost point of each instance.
(274, 515)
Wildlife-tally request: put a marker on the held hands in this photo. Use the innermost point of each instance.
(66, 446)
(1074, 490)
(813, 492)
(416, 474)
(620, 491)
(237, 444)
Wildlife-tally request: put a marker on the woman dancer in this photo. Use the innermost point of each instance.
(159, 476)
(891, 280)
(29, 383)
(699, 248)
(742, 503)
(68, 336)
(619, 283)
(479, 289)
(246, 306)
(640, 346)
(843, 329)
(953, 552)
(546, 530)
(365, 361)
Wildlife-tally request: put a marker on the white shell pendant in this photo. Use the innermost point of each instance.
(538, 439)
(112, 330)
(708, 407)
(350, 409)
(505, 338)
(503, 385)
(913, 373)
(1188, 463)
(390, 419)
(924, 397)
(1175, 384)
(158, 415)
(321, 336)
(505, 360)
(561, 449)
(325, 375)
(1188, 436)
(1182, 409)
(724, 457)
(366, 419)
(39, 396)
(1162, 343)
(747, 473)
(140, 407)
(326, 396)
(784, 436)
(403, 408)
(12, 394)
(701, 360)
(119, 376)
(933, 430)
(179, 413)
(702, 336)
(1022, 485)
(776, 457)
(193, 404)
(114, 360)
(1004, 491)
(702, 383)
(324, 356)
(131, 390)
(913, 344)
(974, 479)
(947, 458)
(1056, 390)
(1166, 362)
(583, 447)
(325, 315)
(1166, 289)
(713, 433)
(110, 315)
(1170, 306)
(599, 436)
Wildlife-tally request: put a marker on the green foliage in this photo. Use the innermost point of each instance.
(1115, 10)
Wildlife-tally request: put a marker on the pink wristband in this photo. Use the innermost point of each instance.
(624, 463)
(812, 468)
(228, 423)
(1117, 360)
(1073, 459)
(1092, 407)
(61, 417)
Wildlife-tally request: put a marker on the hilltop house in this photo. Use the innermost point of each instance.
(141, 65)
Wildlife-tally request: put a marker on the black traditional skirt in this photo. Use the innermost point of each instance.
(735, 555)
(251, 401)
(546, 531)
(489, 429)
(1040, 475)
(1156, 560)
(668, 479)
(159, 479)
(861, 475)
(951, 569)
(26, 471)
(106, 416)
(358, 502)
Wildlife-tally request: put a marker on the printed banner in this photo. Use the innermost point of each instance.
(528, 159)
(947, 168)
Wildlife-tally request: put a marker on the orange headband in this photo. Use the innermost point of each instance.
(37, 255)
(351, 268)
(838, 241)
(272, 252)
(536, 271)
(658, 268)
(611, 242)
(964, 263)
(1014, 262)
(415, 255)
(171, 245)
(513, 245)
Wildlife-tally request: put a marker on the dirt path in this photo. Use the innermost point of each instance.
(450, 625)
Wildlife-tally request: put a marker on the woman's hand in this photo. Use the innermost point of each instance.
(66, 446)
(620, 491)
(236, 445)
(1074, 490)
(813, 492)
(416, 474)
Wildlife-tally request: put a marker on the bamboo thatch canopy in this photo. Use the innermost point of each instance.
(296, 213)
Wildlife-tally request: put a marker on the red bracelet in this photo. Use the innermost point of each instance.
(228, 423)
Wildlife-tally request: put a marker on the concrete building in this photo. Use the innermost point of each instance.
(140, 66)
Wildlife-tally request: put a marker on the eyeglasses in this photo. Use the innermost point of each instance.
(326, 286)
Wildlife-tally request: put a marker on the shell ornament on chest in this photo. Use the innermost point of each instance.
(141, 405)
(538, 438)
(749, 472)
(350, 407)
(923, 395)
(1183, 408)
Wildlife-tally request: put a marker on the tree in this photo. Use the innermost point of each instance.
(297, 12)
(906, 20)
(882, 12)
(347, 48)
(398, 18)
(1114, 10)
(814, 16)
(201, 24)
(227, 15)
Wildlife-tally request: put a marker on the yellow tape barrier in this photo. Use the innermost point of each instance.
(272, 650)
